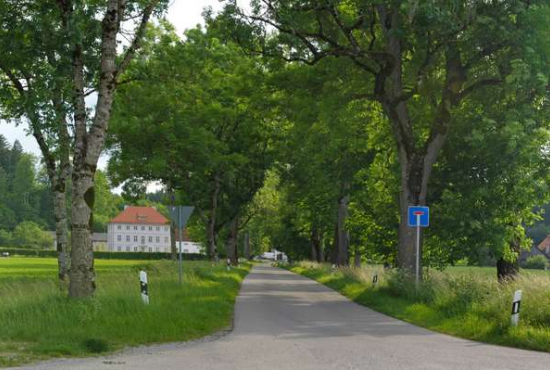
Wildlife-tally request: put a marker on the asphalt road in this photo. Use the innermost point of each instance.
(285, 321)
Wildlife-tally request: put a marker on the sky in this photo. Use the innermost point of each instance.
(183, 14)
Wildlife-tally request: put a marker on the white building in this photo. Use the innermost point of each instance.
(139, 229)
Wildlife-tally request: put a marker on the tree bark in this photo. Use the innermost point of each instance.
(357, 258)
(509, 270)
(317, 254)
(211, 235)
(173, 236)
(342, 252)
(82, 276)
(247, 245)
(61, 233)
(232, 252)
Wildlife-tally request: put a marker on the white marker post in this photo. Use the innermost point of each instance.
(144, 288)
(515, 307)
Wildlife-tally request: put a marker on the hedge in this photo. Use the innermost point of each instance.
(104, 255)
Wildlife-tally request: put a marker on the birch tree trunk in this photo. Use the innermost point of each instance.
(61, 232)
(89, 139)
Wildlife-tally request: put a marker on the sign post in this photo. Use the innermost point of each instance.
(515, 307)
(180, 215)
(144, 287)
(418, 217)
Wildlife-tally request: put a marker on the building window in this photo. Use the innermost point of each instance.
(165, 228)
(158, 239)
(135, 238)
(127, 238)
(135, 249)
(142, 240)
(150, 228)
(119, 238)
(135, 227)
(127, 249)
(118, 248)
(186, 251)
(150, 249)
(143, 228)
(119, 227)
(158, 228)
(150, 239)
(166, 239)
(127, 227)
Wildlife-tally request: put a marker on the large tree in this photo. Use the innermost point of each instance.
(55, 54)
(423, 60)
(206, 107)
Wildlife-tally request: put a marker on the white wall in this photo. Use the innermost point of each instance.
(139, 238)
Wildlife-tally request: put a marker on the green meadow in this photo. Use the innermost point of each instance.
(38, 321)
(466, 302)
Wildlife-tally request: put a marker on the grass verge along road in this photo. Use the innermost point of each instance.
(38, 321)
(467, 303)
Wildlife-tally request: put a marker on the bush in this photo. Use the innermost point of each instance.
(105, 255)
(29, 234)
(535, 262)
(6, 237)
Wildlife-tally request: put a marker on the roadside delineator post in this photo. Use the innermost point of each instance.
(375, 279)
(516, 304)
(144, 287)
(228, 264)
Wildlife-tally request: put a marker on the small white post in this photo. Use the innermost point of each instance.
(144, 287)
(515, 307)
(228, 264)
(417, 250)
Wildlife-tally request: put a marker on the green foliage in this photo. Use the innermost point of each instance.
(24, 193)
(29, 234)
(39, 322)
(196, 116)
(6, 237)
(536, 263)
(107, 205)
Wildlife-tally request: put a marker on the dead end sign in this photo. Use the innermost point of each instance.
(419, 216)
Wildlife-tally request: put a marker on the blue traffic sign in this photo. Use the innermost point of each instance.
(419, 216)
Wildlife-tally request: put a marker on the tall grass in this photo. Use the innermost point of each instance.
(37, 320)
(469, 304)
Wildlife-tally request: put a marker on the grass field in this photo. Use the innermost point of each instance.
(38, 321)
(467, 302)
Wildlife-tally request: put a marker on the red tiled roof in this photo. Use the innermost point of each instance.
(140, 215)
(544, 244)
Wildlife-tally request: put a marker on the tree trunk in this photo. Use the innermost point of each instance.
(247, 245)
(321, 251)
(357, 258)
(211, 236)
(173, 241)
(335, 247)
(82, 282)
(232, 252)
(342, 253)
(314, 244)
(60, 213)
(509, 270)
